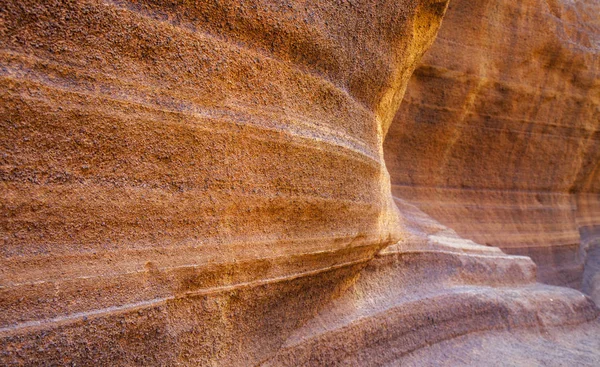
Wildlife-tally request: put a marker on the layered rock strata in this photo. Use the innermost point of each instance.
(435, 287)
(187, 182)
(498, 135)
(203, 183)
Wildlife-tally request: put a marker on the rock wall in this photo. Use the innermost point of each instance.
(498, 135)
(203, 183)
(187, 182)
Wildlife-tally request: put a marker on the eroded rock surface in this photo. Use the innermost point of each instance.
(498, 135)
(187, 182)
(203, 183)
(433, 288)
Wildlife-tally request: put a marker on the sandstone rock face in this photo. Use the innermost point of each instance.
(187, 182)
(498, 134)
(434, 286)
(203, 184)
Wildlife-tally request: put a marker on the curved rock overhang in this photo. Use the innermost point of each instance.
(187, 182)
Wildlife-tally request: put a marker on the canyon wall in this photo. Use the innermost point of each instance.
(498, 135)
(203, 183)
(187, 182)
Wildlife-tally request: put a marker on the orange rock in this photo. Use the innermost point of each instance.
(203, 183)
(497, 137)
(190, 181)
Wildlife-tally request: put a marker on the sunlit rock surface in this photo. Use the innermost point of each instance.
(434, 287)
(187, 182)
(498, 134)
(203, 184)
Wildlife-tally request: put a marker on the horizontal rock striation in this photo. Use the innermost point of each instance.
(203, 183)
(498, 134)
(435, 287)
(550, 347)
(187, 182)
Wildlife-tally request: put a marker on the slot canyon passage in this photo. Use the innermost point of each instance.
(300, 183)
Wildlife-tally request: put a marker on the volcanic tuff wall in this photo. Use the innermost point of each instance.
(203, 183)
(498, 135)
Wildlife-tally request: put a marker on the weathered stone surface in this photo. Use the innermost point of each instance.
(434, 286)
(187, 182)
(498, 135)
(203, 183)
(576, 346)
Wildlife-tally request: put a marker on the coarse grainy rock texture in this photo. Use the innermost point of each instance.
(189, 181)
(203, 183)
(498, 135)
